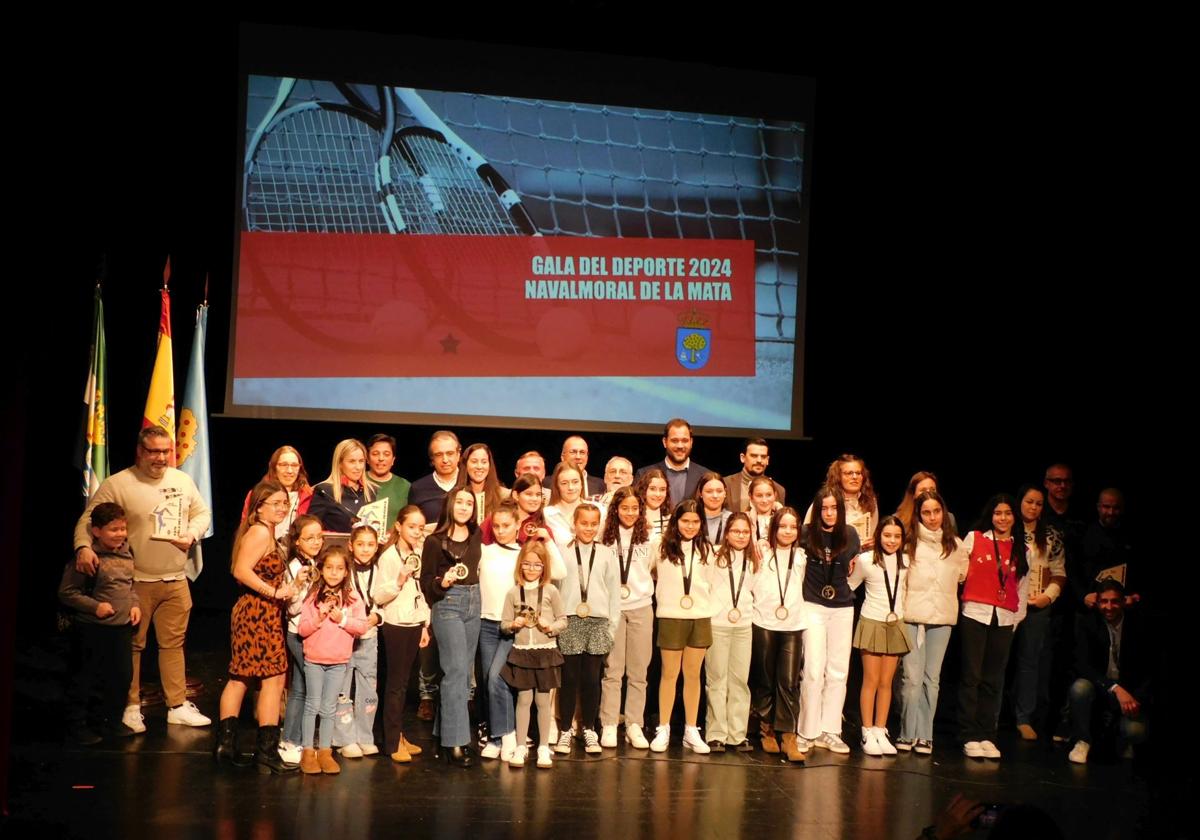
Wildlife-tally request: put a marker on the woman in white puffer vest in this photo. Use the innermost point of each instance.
(938, 565)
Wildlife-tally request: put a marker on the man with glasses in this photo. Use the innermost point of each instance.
(166, 515)
(429, 492)
(575, 453)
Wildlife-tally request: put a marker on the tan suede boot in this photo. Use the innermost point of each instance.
(401, 755)
(791, 749)
(308, 761)
(412, 748)
(328, 763)
(769, 744)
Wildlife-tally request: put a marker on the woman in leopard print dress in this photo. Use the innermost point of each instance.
(259, 650)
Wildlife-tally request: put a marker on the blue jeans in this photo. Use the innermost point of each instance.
(1131, 730)
(293, 717)
(322, 683)
(455, 622)
(493, 649)
(354, 721)
(921, 681)
(1031, 689)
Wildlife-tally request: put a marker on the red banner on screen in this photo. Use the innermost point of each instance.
(353, 305)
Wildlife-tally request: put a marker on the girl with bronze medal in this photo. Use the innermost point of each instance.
(763, 505)
(831, 547)
(626, 533)
(655, 493)
(777, 638)
(303, 544)
(879, 636)
(993, 602)
(405, 627)
(533, 615)
(456, 612)
(727, 664)
(497, 570)
(591, 597)
(937, 564)
(680, 557)
(527, 493)
(710, 492)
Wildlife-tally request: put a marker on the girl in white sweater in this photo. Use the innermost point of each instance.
(938, 565)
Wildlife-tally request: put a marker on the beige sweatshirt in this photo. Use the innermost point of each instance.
(145, 501)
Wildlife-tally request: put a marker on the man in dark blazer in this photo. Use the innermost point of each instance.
(575, 453)
(756, 457)
(683, 474)
(1112, 667)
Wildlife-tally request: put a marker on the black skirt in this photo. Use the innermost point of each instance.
(539, 669)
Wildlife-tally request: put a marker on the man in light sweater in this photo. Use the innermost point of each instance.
(166, 516)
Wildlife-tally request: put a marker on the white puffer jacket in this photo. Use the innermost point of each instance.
(931, 595)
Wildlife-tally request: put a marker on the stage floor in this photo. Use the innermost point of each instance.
(164, 784)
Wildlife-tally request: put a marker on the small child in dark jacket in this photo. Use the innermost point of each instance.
(104, 608)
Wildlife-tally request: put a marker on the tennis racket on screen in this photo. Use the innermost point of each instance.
(321, 166)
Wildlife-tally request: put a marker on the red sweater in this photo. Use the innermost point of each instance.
(983, 579)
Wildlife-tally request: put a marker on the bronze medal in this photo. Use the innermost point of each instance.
(781, 612)
(892, 618)
(624, 592)
(734, 615)
(828, 592)
(459, 570)
(686, 602)
(583, 610)
(412, 562)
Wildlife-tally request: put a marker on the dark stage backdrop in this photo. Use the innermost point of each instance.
(958, 318)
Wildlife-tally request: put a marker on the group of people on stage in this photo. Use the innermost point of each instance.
(551, 595)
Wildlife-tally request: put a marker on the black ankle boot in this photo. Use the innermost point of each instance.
(225, 749)
(266, 755)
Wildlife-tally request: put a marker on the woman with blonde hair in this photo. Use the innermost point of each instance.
(336, 500)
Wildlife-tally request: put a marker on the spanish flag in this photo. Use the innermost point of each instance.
(160, 402)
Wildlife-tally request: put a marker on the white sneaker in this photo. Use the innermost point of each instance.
(187, 715)
(881, 738)
(989, 749)
(1079, 752)
(133, 718)
(490, 751)
(870, 745)
(832, 742)
(544, 759)
(508, 745)
(289, 752)
(637, 740)
(662, 737)
(563, 747)
(608, 737)
(517, 759)
(803, 744)
(350, 751)
(591, 742)
(369, 749)
(553, 731)
(973, 749)
(694, 741)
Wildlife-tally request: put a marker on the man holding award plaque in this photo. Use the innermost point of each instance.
(166, 516)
